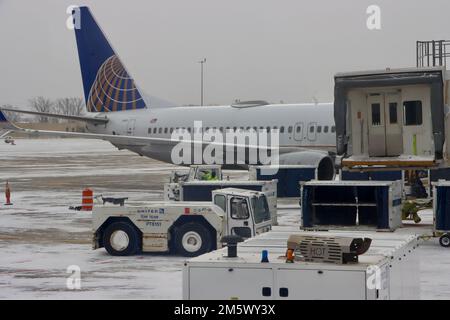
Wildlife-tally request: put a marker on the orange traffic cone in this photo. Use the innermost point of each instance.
(8, 195)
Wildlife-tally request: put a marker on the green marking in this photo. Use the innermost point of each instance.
(415, 145)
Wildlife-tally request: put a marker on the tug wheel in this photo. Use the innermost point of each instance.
(445, 240)
(120, 239)
(192, 239)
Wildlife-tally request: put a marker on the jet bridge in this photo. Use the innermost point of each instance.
(394, 118)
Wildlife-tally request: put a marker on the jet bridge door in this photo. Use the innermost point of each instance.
(393, 117)
(385, 128)
(377, 128)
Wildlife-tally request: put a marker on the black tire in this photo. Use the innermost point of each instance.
(445, 240)
(196, 230)
(133, 239)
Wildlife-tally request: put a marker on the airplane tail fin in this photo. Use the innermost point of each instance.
(5, 126)
(107, 85)
(4, 123)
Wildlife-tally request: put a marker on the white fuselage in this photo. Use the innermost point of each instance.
(301, 126)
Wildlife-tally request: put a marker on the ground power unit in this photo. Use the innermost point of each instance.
(389, 269)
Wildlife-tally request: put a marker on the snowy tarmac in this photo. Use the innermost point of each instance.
(40, 237)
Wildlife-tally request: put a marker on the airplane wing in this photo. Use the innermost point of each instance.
(129, 140)
(5, 125)
(93, 120)
(4, 133)
(8, 127)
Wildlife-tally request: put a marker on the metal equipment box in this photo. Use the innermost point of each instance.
(371, 175)
(363, 205)
(288, 177)
(388, 270)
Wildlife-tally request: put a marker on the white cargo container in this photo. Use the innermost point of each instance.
(388, 270)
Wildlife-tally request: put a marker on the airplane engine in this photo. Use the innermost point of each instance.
(321, 160)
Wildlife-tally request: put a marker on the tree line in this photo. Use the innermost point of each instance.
(72, 106)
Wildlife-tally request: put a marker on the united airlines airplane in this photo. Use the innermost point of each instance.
(119, 112)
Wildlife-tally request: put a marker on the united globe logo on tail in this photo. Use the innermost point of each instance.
(107, 85)
(114, 89)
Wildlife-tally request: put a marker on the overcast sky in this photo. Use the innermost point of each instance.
(256, 49)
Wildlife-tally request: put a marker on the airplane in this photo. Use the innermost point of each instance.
(118, 111)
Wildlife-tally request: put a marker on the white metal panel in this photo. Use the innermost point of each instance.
(223, 284)
(321, 284)
(417, 139)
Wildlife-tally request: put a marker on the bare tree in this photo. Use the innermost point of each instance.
(70, 106)
(42, 104)
(12, 116)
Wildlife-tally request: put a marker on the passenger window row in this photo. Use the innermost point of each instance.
(160, 130)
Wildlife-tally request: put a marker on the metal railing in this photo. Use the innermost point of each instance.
(432, 53)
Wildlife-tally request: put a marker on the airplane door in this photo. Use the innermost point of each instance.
(130, 127)
(298, 131)
(312, 131)
(393, 116)
(377, 129)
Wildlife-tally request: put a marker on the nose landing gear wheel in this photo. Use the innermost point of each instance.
(445, 240)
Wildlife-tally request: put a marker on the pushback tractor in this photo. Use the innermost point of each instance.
(186, 228)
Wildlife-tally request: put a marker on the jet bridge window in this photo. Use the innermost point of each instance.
(239, 208)
(376, 114)
(393, 113)
(412, 111)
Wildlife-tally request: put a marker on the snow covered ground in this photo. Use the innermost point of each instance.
(40, 237)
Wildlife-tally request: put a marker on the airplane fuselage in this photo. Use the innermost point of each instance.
(300, 126)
